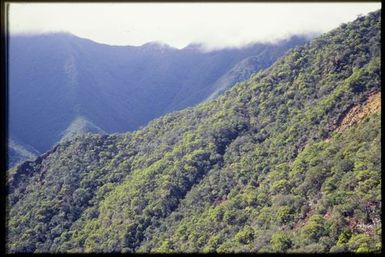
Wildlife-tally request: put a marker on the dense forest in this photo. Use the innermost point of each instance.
(57, 82)
(287, 161)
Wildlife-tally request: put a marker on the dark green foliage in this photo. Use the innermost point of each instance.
(61, 85)
(249, 171)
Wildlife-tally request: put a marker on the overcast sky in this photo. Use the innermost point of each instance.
(178, 24)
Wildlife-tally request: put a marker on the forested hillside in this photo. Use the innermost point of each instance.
(276, 164)
(58, 79)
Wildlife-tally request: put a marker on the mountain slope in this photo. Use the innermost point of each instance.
(54, 78)
(80, 126)
(242, 71)
(261, 168)
(19, 153)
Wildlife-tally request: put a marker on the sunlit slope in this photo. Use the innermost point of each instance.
(261, 168)
(57, 78)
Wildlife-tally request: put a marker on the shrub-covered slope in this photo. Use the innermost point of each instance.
(262, 168)
(57, 78)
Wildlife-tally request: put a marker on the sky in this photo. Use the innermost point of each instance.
(215, 25)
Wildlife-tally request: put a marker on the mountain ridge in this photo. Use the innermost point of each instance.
(56, 77)
(249, 171)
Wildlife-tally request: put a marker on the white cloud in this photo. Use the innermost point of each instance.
(178, 24)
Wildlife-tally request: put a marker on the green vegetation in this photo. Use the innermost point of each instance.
(62, 85)
(250, 171)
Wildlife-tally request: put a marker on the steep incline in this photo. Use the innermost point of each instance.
(359, 112)
(248, 171)
(18, 153)
(56, 78)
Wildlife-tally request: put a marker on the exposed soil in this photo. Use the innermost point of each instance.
(359, 112)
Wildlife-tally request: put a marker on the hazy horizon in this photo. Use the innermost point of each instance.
(212, 25)
(198, 45)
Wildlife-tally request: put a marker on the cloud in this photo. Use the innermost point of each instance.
(214, 25)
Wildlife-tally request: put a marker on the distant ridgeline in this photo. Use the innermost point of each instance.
(287, 161)
(61, 85)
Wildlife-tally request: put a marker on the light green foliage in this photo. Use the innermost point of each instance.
(314, 228)
(361, 243)
(280, 242)
(246, 235)
(250, 171)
